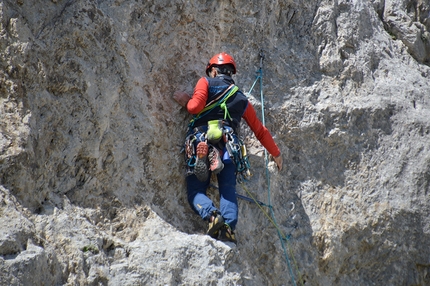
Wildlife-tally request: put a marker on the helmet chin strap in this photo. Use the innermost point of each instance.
(213, 73)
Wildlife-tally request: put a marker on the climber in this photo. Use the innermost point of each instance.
(218, 106)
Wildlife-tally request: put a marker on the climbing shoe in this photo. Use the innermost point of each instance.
(227, 234)
(215, 223)
(215, 162)
(201, 169)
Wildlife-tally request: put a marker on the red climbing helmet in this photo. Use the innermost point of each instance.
(221, 59)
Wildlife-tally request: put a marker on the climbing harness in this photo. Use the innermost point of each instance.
(234, 149)
(283, 238)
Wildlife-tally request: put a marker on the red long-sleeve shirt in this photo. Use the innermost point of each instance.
(198, 102)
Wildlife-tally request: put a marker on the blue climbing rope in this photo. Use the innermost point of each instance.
(272, 219)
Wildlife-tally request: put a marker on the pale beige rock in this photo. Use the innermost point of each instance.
(92, 187)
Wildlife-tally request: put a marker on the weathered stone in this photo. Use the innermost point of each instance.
(92, 182)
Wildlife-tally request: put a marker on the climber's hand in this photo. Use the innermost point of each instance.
(181, 97)
(278, 161)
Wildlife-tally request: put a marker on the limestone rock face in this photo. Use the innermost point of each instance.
(92, 188)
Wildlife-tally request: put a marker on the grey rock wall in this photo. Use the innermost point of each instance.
(92, 182)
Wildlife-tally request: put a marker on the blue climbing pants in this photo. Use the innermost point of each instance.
(204, 206)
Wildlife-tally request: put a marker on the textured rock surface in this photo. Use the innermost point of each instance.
(92, 189)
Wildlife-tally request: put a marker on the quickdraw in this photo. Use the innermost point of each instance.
(237, 152)
(190, 154)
